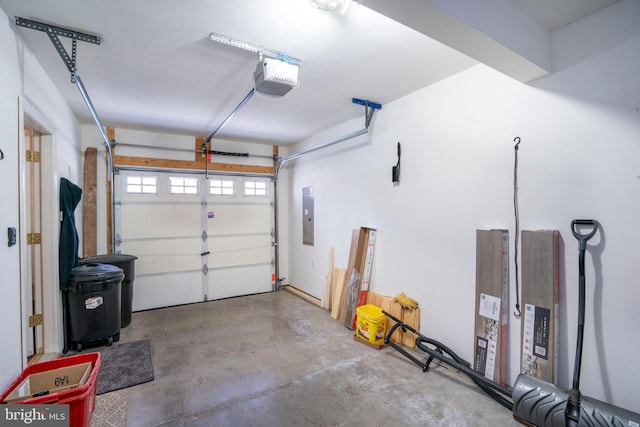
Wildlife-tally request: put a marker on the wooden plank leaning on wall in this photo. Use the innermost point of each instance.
(89, 211)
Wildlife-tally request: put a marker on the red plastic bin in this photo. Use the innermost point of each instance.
(81, 400)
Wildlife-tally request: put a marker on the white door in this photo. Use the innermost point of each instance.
(193, 245)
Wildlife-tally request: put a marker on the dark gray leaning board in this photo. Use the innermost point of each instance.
(540, 274)
(492, 300)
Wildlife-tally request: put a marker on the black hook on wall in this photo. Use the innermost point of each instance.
(395, 172)
(1, 155)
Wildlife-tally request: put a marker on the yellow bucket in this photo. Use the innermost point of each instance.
(370, 323)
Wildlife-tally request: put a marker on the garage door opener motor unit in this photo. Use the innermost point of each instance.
(275, 77)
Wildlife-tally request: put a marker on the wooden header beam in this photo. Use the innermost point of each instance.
(191, 165)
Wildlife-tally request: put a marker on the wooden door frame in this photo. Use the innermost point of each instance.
(33, 142)
(52, 302)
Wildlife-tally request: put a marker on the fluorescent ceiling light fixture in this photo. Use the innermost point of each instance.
(332, 5)
(262, 51)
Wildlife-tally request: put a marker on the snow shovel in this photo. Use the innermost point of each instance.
(538, 403)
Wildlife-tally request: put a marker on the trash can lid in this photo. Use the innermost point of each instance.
(95, 272)
(108, 258)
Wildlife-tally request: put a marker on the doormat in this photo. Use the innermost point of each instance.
(110, 410)
(124, 365)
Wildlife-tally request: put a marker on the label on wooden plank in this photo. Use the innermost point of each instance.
(487, 346)
(537, 321)
(366, 273)
(487, 350)
(481, 356)
(489, 307)
(368, 261)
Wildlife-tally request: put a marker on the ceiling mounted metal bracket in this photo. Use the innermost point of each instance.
(369, 108)
(59, 31)
(70, 61)
(262, 51)
(53, 32)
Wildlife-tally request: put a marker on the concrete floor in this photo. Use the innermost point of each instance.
(277, 360)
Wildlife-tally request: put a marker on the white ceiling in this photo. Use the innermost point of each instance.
(555, 14)
(156, 68)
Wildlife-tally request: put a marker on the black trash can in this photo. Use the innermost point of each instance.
(93, 302)
(127, 264)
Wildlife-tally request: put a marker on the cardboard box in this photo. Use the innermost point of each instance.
(52, 381)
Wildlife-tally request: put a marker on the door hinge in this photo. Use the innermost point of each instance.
(33, 156)
(34, 238)
(35, 320)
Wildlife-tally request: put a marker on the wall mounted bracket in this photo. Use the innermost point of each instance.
(369, 107)
(53, 32)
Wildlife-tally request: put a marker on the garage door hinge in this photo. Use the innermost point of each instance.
(34, 238)
(35, 320)
(273, 232)
(205, 269)
(33, 156)
(118, 240)
(204, 236)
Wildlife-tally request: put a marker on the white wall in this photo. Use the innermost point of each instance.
(580, 132)
(60, 157)
(26, 86)
(11, 355)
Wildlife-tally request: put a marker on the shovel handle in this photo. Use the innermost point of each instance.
(584, 236)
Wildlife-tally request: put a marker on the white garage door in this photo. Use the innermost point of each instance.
(196, 239)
